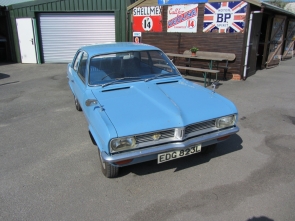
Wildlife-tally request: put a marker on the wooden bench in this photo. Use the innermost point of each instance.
(220, 57)
(202, 70)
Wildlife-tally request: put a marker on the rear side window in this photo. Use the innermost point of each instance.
(82, 66)
(77, 60)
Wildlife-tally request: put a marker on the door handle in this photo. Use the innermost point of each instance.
(32, 40)
(72, 81)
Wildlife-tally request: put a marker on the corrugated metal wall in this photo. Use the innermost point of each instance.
(31, 9)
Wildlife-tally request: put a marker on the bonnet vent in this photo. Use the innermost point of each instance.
(116, 89)
(167, 82)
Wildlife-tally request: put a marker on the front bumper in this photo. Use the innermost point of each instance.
(205, 140)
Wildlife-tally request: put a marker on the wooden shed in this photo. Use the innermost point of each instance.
(259, 34)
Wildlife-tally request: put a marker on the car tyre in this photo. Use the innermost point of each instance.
(77, 104)
(108, 169)
(208, 149)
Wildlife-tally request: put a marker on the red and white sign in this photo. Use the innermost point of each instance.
(147, 19)
(182, 18)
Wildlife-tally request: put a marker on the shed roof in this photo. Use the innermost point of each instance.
(11, 2)
(276, 9)
(141, 3)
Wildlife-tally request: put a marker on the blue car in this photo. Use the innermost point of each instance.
(139, 107)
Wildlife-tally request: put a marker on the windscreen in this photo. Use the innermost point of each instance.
(129, 66)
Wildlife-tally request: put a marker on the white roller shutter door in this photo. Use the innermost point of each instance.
(63, 33)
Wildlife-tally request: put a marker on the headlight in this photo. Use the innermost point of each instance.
(225, 121)
(124, 143)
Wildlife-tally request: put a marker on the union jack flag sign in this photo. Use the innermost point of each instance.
(225, 17)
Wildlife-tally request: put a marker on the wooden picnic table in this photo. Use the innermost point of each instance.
(205, 56)
(197, 57)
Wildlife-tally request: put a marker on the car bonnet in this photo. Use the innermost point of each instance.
(143, 107)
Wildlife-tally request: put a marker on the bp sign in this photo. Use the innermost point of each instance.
(225, 17)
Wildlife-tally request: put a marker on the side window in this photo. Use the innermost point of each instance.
(82, 67)
(144, 57)
(76, 63)
(157, 57)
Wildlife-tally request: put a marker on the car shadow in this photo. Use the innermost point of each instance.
(2, 76)
(261, 218)
(234, 143)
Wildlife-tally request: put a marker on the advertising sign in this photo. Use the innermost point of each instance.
(180, 2)
(225, 17)
(289, 43)
(137, 37)
(182, 18)
(147, 19)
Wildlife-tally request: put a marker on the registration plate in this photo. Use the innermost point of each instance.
(164, 157)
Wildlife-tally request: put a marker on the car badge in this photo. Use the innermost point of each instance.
(156, 136)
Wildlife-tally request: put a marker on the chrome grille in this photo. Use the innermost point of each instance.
(199, 126)
(168, 135)
(149, 137)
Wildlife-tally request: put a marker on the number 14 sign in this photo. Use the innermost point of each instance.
(147, 19)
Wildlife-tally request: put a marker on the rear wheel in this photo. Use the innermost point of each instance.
(208, 149)
(108, 169)
(77, 104)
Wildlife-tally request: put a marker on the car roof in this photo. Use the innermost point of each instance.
(106, 48)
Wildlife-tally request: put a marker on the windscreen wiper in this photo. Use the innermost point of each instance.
(118, 79)
(158, 75)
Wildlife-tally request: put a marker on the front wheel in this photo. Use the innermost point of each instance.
(77, 104)
(108, 169)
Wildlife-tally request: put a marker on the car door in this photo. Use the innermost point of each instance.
(72, 70)
(79, 77)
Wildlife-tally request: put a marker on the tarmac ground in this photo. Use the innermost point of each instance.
(49, 168)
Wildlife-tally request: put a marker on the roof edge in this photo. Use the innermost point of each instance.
(135, 4)
(30, 3)
(275, 8)
(254, 2)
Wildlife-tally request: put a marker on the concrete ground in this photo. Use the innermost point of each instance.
(49, 168)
